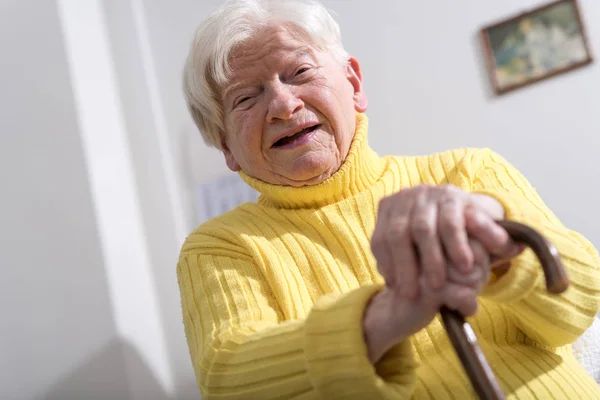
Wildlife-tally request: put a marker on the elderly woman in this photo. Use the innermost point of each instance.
(328, 287)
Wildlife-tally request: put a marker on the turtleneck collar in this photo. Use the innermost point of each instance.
(361, 169)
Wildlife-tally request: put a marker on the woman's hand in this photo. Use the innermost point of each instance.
(423, 229)
(434, 246)
(391, 317)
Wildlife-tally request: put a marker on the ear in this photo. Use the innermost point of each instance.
(229, 158)
(354, 76)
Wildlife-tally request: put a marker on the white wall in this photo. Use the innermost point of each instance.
(82, 316)
(106, 137)
(100, 259)
(57, 336)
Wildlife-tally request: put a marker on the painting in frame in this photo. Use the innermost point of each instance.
(535, 45)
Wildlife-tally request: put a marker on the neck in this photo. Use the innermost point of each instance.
(361, 169)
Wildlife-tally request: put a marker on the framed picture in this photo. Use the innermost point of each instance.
(535, 45)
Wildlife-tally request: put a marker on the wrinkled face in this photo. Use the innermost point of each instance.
(290, 110)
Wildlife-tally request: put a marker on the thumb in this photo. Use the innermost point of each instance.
(514, 250)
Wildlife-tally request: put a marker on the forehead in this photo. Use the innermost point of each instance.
(269, 49)
(279, 39)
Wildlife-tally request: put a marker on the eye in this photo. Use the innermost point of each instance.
(242, 99)
(301, 71)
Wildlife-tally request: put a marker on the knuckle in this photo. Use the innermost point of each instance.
(422, 228)
(479, 219)
(450, 225)
(421, 188)
(450, 189)
(422, 192)
(398, 228)
(476, 228)
(449, 200)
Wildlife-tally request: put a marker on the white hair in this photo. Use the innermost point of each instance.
(207, 65)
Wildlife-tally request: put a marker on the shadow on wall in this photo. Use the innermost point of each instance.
(109, 374)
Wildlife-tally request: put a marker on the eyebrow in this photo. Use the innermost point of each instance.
(232, 88)
(296, 54)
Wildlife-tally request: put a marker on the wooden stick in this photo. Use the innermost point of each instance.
(462, 335)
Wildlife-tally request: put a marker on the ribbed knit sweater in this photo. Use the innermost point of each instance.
(273, 293)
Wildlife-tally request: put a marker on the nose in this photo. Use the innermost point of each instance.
(283, 103)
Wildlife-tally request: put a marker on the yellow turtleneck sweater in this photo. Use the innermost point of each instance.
(273, 293)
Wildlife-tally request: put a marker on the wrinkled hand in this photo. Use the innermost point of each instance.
(423, 229)
(434, 246)
(391, 317)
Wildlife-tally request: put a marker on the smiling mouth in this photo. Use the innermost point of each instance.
(296, 136)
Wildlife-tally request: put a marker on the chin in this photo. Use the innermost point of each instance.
(310, 173)
(299, 182)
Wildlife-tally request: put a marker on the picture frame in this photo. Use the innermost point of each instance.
(535, 45)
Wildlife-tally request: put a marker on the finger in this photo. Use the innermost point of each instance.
(473, 278)
(379, 247)
(451, 225)
(462, 299)
(515, 251)
(481, 262)
(492, 236)
(400, 246)
(480, 255)
(425, 237)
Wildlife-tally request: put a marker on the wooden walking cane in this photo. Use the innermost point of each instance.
(460, 332)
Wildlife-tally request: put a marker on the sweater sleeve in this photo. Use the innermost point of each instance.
(241, 348)
(551, 320)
